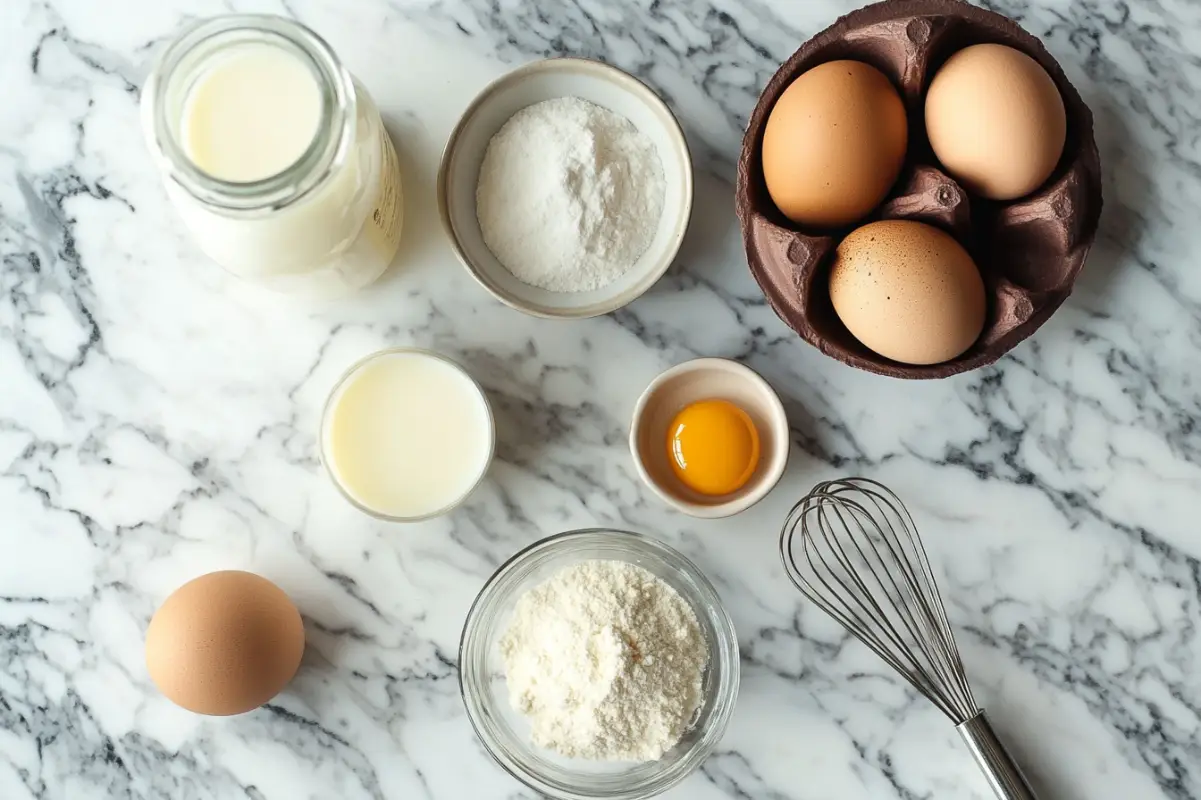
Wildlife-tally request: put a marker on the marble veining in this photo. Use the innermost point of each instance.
(157, 420)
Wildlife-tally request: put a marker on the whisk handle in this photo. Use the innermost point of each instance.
(998, 766)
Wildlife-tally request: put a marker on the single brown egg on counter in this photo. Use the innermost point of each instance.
(224, 643)
(834, 144)
(996, 121)
(908, 291)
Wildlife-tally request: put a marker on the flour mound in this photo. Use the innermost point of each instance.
(606, 660)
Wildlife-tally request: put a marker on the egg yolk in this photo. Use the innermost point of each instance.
(713, 447)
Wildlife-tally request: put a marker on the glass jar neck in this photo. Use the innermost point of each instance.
(190, 56)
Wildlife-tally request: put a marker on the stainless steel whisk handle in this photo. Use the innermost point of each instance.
(1002, 771)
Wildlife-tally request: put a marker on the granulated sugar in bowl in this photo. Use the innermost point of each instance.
(589, 176)
(570, 195)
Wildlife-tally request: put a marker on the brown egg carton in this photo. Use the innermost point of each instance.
(1029, 251)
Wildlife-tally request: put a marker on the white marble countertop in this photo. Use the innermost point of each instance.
(157, 421)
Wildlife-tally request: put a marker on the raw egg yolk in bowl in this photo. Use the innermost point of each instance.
(713, 447)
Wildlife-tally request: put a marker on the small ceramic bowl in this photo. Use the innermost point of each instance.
(545, 80)
(705, 379)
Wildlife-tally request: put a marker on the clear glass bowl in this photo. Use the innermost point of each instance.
(505, 733)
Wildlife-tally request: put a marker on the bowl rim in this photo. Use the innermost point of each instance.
(716, 611)
(631, 85)
(780, 429)
(328, 405)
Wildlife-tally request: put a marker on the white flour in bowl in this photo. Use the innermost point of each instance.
(606, 661)
(569, 195)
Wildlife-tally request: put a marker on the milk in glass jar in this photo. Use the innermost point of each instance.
(274, 155)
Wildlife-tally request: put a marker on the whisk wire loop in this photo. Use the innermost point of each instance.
(860, 559)
(858, 617)
(852, 548)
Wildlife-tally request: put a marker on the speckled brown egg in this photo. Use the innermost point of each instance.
(224, 643)
(908, 291)
(996, 121)
(834, 144)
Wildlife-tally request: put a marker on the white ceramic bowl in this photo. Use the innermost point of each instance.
(545, 80)
(704, 379)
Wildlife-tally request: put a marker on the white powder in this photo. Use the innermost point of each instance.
(606, 661)
(569, 195)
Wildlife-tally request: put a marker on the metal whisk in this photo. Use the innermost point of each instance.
(851, 547)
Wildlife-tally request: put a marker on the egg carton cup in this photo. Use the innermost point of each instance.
(1029, 251)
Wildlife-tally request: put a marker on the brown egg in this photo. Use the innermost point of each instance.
(834, 144)
(908, 291)
(996, 121)
(224, 643)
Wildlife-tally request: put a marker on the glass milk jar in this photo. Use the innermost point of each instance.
(274, 155)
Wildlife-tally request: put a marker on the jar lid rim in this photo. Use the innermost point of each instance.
(186, 55)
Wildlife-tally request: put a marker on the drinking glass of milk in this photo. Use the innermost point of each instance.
(274, 155)
(407, 434)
